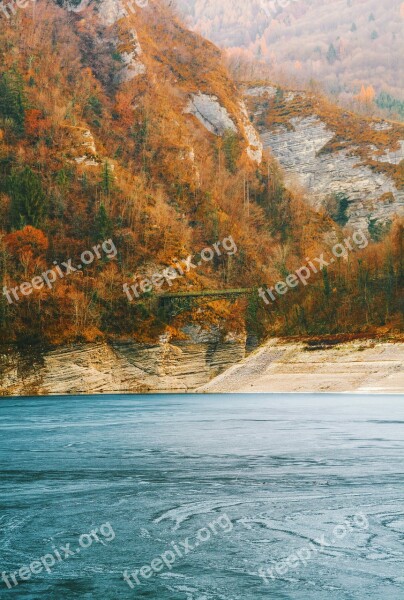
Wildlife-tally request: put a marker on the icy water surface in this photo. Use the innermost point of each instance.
(198, 496)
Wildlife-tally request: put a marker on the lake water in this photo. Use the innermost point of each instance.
(202, 497)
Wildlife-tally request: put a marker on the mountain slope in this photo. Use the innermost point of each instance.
(332, 153)
(100, 119)
(123, 125)
(342, 44)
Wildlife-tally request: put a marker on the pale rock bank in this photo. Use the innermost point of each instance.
(362, 366)
(205, 364)
(119, 367)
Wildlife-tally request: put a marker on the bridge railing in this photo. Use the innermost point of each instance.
(208, 293)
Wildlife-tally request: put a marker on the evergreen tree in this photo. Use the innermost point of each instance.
(395, 106)
(279, 95)
(341, 216)
(28, 200)
(141, 133)
(231, 149)
(338, 206)
(107, 179)
(332, 54)
(378, 229)
(103, 224)
(326, 283)
(12, 99)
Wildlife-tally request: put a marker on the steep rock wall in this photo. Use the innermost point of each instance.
(302, 144)
(119, 367)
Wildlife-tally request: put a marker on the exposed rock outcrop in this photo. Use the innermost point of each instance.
(118, 32)
(81, 146)
(210, 113)
(208, 110)
(255, 146)
(295, 128)
(205, 364)
(119, 367)
(132, 66)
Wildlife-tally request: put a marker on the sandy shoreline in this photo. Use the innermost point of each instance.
(361, 366)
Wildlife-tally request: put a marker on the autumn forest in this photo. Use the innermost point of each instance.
(87, 155)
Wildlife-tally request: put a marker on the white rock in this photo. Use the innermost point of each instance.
(393, 157)
(110, 11)
(210, 113)
(132, 65)
(323, 174)
(255, 147)
(122, 366)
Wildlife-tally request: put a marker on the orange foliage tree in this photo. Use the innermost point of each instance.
(366, 95)
(28, 239)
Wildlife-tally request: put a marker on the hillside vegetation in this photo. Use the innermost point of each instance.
(96, 145)
(341, 44)
(365, 137)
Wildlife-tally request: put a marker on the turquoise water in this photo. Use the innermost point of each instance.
(202, 497)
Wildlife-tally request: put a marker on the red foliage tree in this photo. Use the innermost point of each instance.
(35, 124)
(26, 240)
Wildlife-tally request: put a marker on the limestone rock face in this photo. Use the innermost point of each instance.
(132, 65)
(302, 146)
(298, 151)
(121, 367)
(110, 13)
(394, 157)
(255, 146)
(82, 148)
(210, 113)
(208, 110)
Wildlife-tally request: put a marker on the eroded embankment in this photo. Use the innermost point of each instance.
(358, 366)
(119, 367)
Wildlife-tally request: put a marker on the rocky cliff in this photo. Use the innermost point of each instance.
(330, 152)
(125, 27)
(119, 367)
(207, 364)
